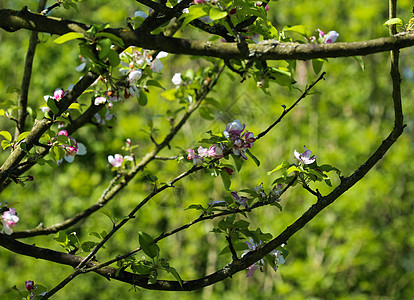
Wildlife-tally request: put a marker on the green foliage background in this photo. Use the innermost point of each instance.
(359, 248)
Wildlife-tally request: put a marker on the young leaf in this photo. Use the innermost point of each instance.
(225, 177)
(174, 272)
(317, 65)
(257, 162)
(283, 165)
(68, 36)
(115, 40)
(217, 14)
(394, 21)
(6, 135)
(148, 245)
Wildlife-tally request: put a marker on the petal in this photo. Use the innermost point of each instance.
(81, 149)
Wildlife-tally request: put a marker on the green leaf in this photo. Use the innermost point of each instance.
(68, 36)
(52, 105)
(257, 162)
(225, 177)
(105, 46)
(156, 83)
(148, 245)
(23, 135)
(238, 162)
(169, 94)
(194, 12)
(317, 65)
(360, 62)
(88, 246)
(76, 106)
(217, 14)
(5, 144)
(283, 165)
(106, 212)
(115, 39)
(6, 135)
(394, 21)
(196, 207)
(293, 169)
(142, 99)
(177, 276)
(302, 30)
(113, 57)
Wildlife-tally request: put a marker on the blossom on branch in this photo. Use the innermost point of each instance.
(240, 200)
(197, 159)
(9, 220)
(331, 37)
(72, 149)
(116, 161)
(277, 256)
(305, 157)
(176, 79)
(234, 129)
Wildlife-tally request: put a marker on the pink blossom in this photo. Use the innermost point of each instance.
(197, 159)
(116, 161)
(234, 129)
(58, 94)
(134, 75)
(321, 33)
(249, 137)
(199, 1)
(176, 79)
(72, 149)
(9, 220)
(99, 100)
(331, 37)
(305, 157)
(215, 151)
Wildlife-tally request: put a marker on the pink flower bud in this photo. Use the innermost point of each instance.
(63, 132)
(30, 285)
(331, 37)
(58, 94)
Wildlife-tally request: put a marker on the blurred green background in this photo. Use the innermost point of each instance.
(361, 247)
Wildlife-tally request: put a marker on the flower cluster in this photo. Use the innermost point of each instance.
(241, 142)
(105, 116)
(72, 148)
(9, 220)
(133, 63)
(305, 157)
(276, 255)
(214, 151)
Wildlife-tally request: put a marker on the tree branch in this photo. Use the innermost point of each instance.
(267, 50)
